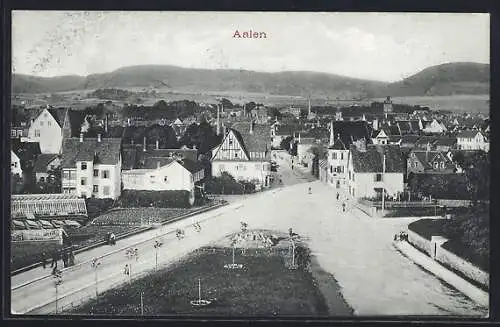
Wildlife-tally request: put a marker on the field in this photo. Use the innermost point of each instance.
(264, 287)
(455, 103)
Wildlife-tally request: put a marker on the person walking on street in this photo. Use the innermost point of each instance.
(338, 195)
(44, 259)
(54, 260)
(65, 258)
(136, 253)
(343, 207)
(71, 258)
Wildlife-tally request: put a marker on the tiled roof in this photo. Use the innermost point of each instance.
(338, 145)
(467, 134)
(26, 151)
(409, 139)
(287, 129)
(371, 160)
(58, 114)
(192, 166)
(258, 141)
(446, 141)
(426, 158)
(134, 157)
(351, 131)
(105, 152)
(42, 161)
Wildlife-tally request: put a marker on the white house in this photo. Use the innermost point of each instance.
(165, 174)
(15, 164)
(47, 130)
(45, 163)
(337, 157)
(91, 167)
(244, 153)
(381, 138)
(374, 168)
(434, 127)
(472, 140)
(304, 145)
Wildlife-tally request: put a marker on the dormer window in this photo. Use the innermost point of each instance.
(83, 166)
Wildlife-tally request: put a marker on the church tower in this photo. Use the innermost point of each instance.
(387, 106)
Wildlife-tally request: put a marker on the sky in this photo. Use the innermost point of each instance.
(377, 46)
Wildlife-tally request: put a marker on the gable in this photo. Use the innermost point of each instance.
(231, 144)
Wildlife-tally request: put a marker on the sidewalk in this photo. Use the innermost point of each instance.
(87, 256)
(479, 296)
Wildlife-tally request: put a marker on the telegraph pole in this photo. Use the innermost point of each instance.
(95, 265)
(383, 184)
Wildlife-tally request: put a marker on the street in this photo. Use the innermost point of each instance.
(375, 278)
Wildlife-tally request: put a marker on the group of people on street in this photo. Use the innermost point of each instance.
(401, 236)
(66, 255)
(110, 238)
(197, 226)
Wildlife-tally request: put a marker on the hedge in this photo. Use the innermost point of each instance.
(427, 227)
(464, 252)
(441, 186)
(226, 184)
(159, 199)
(415, 211)
(96, 207)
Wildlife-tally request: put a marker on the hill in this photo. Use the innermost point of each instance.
(447, 79)
(443, 80)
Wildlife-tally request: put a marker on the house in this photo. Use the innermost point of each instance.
(46, 129)
(45, 163)
(27, 152)
(445, 144)
(295, 111)
(375, 168)
(19, 132)
(472, 140)
(429, 162)
(351, 131)
(409, 126)
(304, 145)
(244, 153)
(337, 158)
(434, 127)
(163, 173)
(91, 167)
(381, 138)
(15, 164)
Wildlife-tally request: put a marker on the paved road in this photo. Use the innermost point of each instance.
(375, 278)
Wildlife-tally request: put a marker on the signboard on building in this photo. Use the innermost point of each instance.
(54, 235)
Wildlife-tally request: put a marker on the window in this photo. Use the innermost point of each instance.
(95, 188)
(152, 179)
(236, 154)
(41, 122)
(83, 166)
(105, 174)
(65, 174)
(96, 172)
(331, 169)
(442, 165)
(165, 179)
(378, 177)
(37, 133)
(230, 141)
(20, 132)
(353, 178)
(105, 190)
(83, 181)
(13, 132)
(334, 155)
(349, 175)
(42, 179)
(49, 123)
(341, 156)
(436, 165)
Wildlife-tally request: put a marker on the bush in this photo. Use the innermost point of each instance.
(440, 186)
(226, 184)
(427, 227)
(159, 199)
(96, 207)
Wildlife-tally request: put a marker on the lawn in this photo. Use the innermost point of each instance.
(138, 216)
(264, 287)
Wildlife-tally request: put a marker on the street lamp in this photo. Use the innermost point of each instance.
(157, 246)
(57, 281)
(95, 265)
(130, 254)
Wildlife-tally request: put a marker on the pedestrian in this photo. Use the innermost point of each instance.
(54, 259)
(126, 270)
(343, 207)
(44, 259)
(136, 253)
(112, 239)
(71, 258)
(54, 270)
(309, 191)
(338, 195)
(65, 258)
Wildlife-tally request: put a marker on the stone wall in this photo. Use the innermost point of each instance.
(453, 261)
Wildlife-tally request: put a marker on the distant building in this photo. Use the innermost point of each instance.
(91, 167)
(46, 129)
(436, 162)
(15, 164)
(292, 110)
(44, 164)
(388, 106)
(381, 138)
(472, 140)
(434, 126)
(337, 159)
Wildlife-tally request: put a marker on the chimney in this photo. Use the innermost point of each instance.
(157, 144)
(99, 137)
(81, 137)
(251, 126)
(218, 123)
(332, 135)
(299, 137)
(144, 144)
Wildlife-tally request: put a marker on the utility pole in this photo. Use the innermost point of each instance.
(142, 304)
(383, 184)
(58, 281)
(95, 265)
(157, 246)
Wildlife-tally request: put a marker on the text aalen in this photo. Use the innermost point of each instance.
(249, 35)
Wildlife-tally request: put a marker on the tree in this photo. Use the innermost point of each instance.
(16, 184)
(52, 183)
(226, 103)
(285, 143)
(273, 113)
